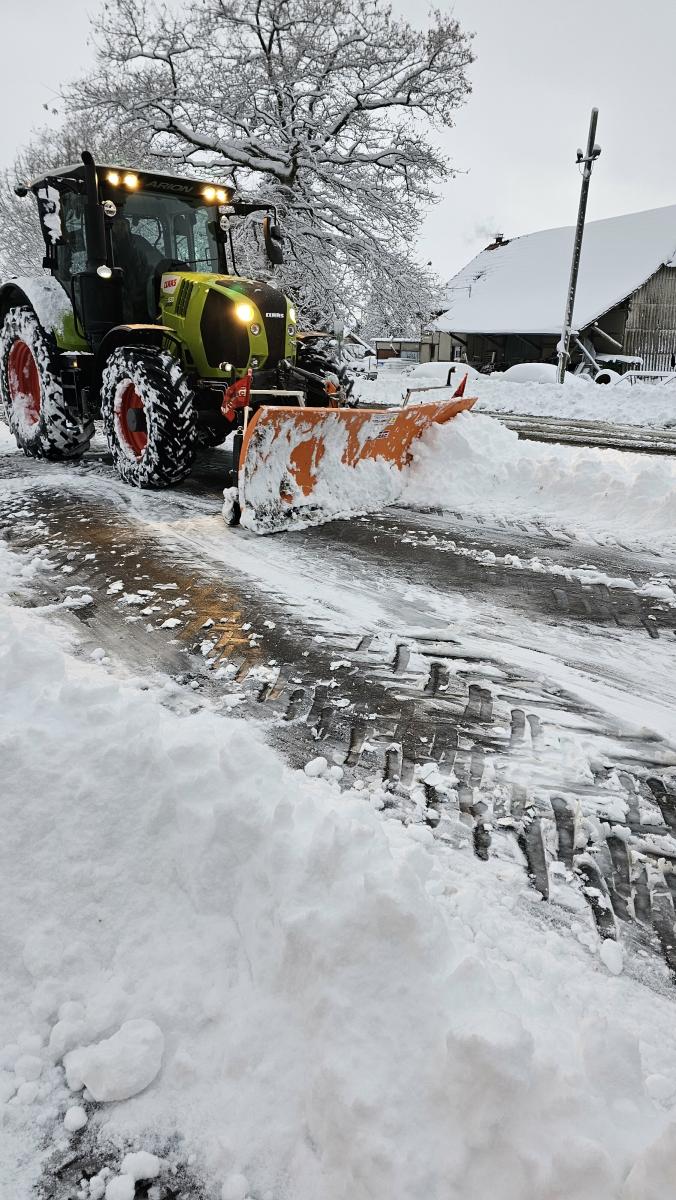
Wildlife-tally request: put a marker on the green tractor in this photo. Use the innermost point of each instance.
(144, 322)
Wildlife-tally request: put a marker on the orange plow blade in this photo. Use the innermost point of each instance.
(305, 466)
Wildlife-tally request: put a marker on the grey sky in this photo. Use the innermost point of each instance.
(541, 65)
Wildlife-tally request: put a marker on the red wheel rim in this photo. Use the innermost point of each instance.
(23, 379)
(131, 415)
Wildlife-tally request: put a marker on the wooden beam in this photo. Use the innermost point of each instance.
(613, 342)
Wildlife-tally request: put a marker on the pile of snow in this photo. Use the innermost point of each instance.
(580, 399)
(532, 373)
(324, 1002)
(477, 466)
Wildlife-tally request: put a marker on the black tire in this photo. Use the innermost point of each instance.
(157, 447)
(32, 397)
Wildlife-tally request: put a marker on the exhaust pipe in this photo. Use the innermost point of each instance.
(96, 236)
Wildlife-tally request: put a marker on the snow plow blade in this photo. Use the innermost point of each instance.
(306, 466)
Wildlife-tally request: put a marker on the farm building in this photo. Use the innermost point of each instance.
(506, 306)
(411, 349)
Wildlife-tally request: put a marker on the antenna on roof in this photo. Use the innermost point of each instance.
(588, 160)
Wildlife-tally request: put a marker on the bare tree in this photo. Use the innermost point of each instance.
(21, 244)
(323, 106)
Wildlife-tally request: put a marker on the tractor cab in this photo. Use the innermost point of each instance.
(111, 233)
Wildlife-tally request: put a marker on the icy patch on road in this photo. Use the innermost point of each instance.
(476, 466)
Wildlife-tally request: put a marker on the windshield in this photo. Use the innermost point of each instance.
(174, 227)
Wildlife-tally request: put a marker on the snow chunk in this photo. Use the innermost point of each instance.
(81, 601)
(27, 1093)
(97, 1184)
(65, 1036)
(121, 1187)
(120, 1066)
(141, 1165)
(75, 1118)
(316, 767)
(611, 956)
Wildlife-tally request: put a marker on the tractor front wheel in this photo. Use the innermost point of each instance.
(148, 417)
(32, 396)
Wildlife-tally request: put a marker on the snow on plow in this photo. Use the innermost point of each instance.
(311, 465)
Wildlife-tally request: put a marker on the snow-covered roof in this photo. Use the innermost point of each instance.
(520, 286)
(359, 341)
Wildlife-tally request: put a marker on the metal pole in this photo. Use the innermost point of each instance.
(588, 160)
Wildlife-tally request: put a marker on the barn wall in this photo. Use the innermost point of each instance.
(651, 323)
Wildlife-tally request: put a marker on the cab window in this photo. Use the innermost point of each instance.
(71, 251)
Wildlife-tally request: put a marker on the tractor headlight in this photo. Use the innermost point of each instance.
(113, 177)
(255, 328)
(292, 313)
(130, 181)
(212, 193)
(245, 313)
(291, 330)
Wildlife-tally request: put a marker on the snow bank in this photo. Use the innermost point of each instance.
(346, 1009)
(475, 465)
(642, 404)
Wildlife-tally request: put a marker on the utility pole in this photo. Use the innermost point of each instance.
(588, 161)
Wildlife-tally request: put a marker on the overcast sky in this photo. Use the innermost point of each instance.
(541, 66)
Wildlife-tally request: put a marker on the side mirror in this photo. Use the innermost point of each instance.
(274, 242)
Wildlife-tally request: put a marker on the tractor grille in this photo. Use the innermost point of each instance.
(269, 300)
(183, 298)
(224, 337)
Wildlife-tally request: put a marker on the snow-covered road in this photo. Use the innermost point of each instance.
(506, 684)
(428, 652)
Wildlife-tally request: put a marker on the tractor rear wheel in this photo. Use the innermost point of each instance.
(32, 397)
(148, 417)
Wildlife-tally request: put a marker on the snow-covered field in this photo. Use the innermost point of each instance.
(643, 404)
(213, 960)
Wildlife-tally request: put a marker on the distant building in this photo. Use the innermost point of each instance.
(408, 348)
(506, 306)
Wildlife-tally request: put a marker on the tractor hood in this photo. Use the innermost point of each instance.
(226, 322)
